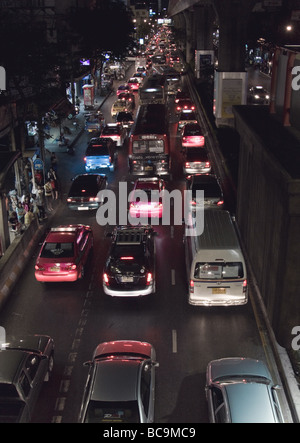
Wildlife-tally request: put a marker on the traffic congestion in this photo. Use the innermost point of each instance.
(146, 308)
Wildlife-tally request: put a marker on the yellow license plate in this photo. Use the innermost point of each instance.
(55, 269)
(219, 291)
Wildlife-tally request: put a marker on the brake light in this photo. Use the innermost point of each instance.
(149, 278)
(105, 279)
(207, 164)
(84, 158)
(191, 286)
(187, 164)
(244, 285)
(69, 200)
(220, 203)
(127, 258)
(39, 268)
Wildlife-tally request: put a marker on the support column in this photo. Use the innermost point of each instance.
(204, 50)
(231, 78)
(189, 35)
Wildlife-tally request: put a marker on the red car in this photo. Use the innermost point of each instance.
(153, 187)
(64, 254)
(123, 89)
(192, 136)
(133, 84)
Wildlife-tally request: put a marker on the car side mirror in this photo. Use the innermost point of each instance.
(88, 363)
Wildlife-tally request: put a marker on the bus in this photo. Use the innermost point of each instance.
(153, 90)
(149, 149)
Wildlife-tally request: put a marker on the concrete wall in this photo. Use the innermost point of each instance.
(268, 215)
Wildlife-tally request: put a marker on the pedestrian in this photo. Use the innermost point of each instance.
(40, 201)
(52, 176)
(14, 222)
(26, 203)
(29, 216)
(20, 211)
(48, 195)
(53, 160)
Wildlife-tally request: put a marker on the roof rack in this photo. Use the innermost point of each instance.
(133, 235)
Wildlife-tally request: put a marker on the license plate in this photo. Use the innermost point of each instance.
(125, 279)
(82, 208)
(219, 291)
(55, 269)
(148, 168)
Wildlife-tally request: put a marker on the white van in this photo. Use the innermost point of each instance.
(215, 264)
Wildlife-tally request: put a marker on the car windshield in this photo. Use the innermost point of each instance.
(57, 250)
(112, 412)
(216, 271)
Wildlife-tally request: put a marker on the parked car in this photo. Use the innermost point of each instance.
(185, 117)
(64, 254)
(130, 267)
(210, 185)
(192, 135)
(25, 365)
(116, 132)
(94, 122)
(100, 153)
(83, 193)
(153, 207)
(196, 160)
(120, 386)
(241, 390)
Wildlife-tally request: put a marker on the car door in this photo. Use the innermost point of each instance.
(32, 378)
(147, 391)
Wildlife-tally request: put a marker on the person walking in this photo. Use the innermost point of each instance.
(29, 216)
(48, 195)
(20, 211)
(40, 201)
(54, 183)
(53, 160)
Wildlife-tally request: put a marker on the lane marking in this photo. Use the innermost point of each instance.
(173, 277)
(174, 341)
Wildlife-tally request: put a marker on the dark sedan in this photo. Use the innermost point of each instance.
(83, 194)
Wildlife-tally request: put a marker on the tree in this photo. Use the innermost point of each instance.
(106, 27)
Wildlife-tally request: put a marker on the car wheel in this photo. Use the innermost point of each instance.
(50, 367)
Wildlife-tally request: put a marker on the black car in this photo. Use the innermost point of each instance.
(130, 268)
(83, 194)
(125, 119)
(210, 185)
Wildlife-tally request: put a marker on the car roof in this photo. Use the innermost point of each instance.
(203, 178)
(116, 379)
(193, 127)
(196, 154)
(250, 402)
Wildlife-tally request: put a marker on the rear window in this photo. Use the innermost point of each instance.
(57, 250)
(218, 271)
(210, 189)
(97, 150)
(88, 185)
(110, 130)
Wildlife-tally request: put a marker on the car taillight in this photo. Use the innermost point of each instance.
(106, 279)
(184, 139)
(149, 278)
(244, 285)
(71, 267)
(220, 203)
(191, 285)
(127, 257)
(207, 164)
(84, 158)
(69, 200)
(39, 268)
(187, 164)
